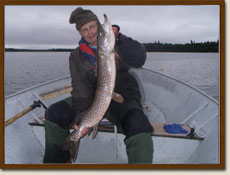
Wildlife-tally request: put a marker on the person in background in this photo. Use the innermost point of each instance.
(127, 116)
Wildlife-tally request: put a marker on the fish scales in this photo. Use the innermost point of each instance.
(106, 75)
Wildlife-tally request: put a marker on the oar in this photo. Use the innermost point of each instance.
(30, 108)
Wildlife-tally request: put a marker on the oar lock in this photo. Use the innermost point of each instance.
(38, 104)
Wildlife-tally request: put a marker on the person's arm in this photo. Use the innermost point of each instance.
(81, 96)
(131, 51)
(80, 93)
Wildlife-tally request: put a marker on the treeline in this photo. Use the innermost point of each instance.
(38, 50)
(150, 47)
(188, 47)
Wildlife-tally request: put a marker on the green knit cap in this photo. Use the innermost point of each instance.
(80, 17)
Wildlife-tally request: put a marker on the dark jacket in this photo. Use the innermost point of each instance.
(84, 81)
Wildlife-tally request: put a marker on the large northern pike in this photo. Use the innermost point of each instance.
(106, 74)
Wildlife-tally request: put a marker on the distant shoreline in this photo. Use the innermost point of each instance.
(150, 47)
(25, 50)
(37, 50)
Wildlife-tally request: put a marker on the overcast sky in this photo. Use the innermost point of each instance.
(49, 27)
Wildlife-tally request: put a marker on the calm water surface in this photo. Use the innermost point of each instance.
(26, 69)
(200, 70)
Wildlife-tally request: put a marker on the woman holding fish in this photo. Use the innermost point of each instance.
(97, 77)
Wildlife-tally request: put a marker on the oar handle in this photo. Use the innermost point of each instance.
(36, 104)
(18, 116)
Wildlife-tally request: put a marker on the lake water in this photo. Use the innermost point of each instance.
(27, 69)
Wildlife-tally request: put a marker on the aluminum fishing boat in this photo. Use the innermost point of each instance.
(165, 100)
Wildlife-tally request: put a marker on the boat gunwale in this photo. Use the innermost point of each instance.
(184, 83)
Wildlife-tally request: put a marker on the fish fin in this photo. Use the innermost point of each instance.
(95, 129)
(89, 131)
(117, 97)
(72, 147)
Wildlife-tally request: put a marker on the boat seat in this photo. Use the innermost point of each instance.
(159, 131)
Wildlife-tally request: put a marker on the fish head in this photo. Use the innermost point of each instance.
(107, 37)
(107, 24)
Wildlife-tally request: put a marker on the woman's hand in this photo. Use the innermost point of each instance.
(85, 130)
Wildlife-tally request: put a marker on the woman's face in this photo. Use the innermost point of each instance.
(89, 32)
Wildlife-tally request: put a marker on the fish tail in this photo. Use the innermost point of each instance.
(72, 147)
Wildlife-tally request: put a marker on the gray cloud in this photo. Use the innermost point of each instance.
(48, 26)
